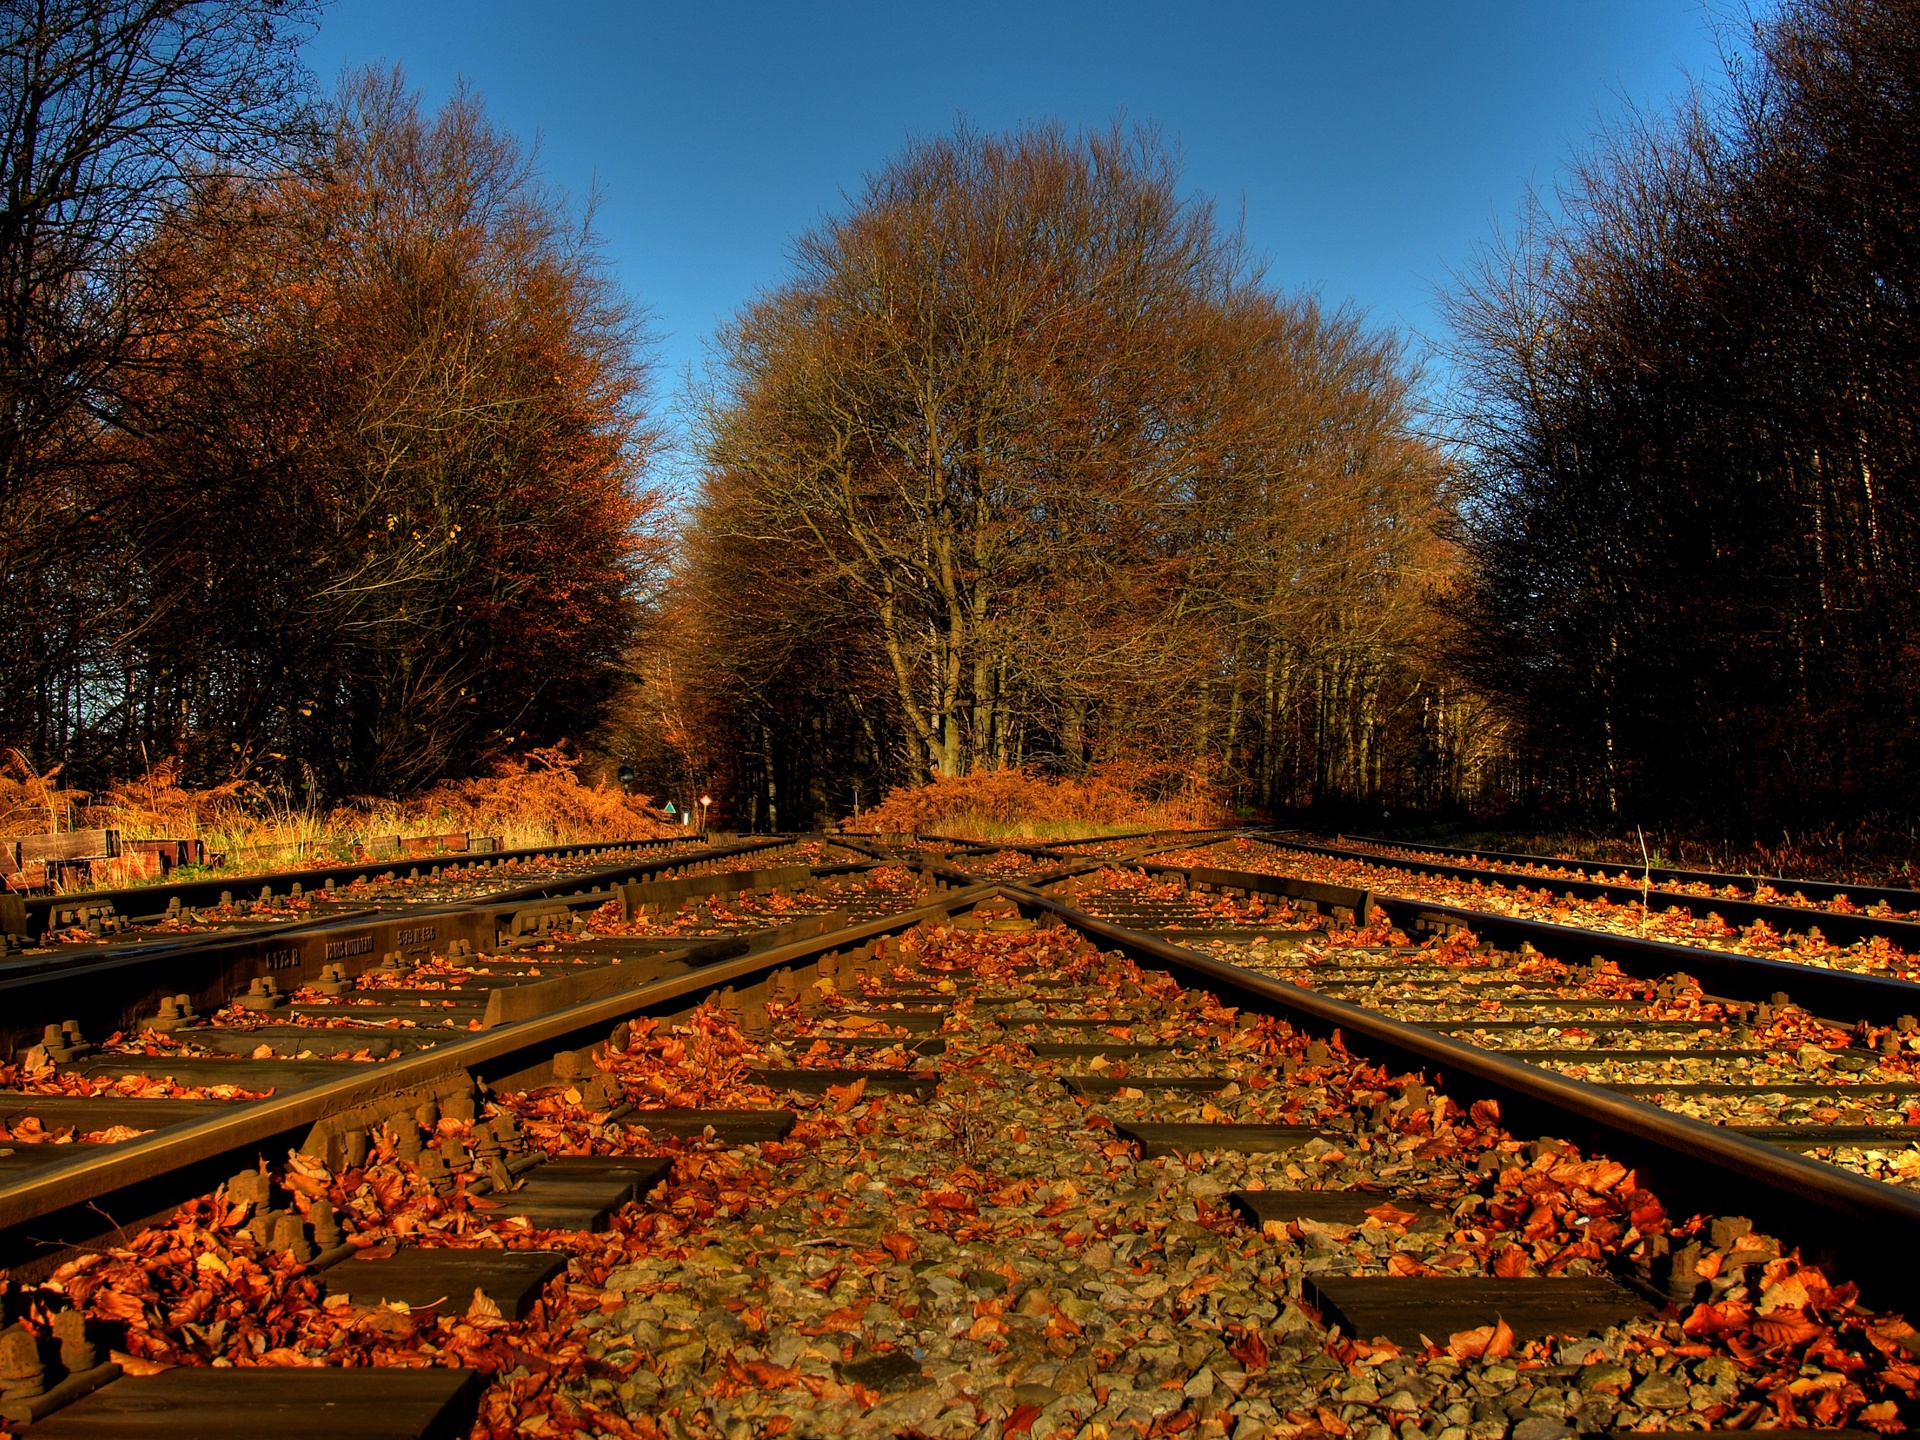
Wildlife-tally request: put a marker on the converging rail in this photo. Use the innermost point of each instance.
(822, 1134)
(1845, 927)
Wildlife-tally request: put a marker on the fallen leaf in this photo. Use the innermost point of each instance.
(134, 1365)
(483, 1307)
(1786, 1327)
(845, 1097)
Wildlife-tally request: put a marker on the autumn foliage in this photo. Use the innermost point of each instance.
(536, 798)
(369, 507)
(991, 804)
(1025, 465)
(540, 792)
(384, 504)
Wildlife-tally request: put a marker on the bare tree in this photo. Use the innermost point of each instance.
(1694, 512)
(110, 111)
(1026, 436)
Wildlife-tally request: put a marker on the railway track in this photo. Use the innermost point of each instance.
(173, 911)
(1782, 905)
(1838, 939)
(63, 929)
(1791, 891)
(936, 1140)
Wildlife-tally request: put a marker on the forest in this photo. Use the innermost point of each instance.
(330, 457)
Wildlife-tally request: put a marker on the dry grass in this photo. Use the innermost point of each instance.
(1017, 804)
(536, 800)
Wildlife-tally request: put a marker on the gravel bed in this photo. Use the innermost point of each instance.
(996, 1260)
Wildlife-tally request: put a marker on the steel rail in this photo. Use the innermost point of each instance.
(207, 891)
(1843, 996)
(115, 987)
(1842, 928)
(990, 846)
(1712, 1168)
(1665, 874)
(72, 1191)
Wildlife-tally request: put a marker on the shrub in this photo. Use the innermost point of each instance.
(999, 804)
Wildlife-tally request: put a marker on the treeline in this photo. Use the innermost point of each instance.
(323, 445)
(1689, 420)
(1025, 465)
(321, 422)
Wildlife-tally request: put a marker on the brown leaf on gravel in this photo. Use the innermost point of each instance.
(1250, 1351)
(1387, 1213)
(769, 1376)
(1786, 1327)
(482, 1307)
(1021, 1420)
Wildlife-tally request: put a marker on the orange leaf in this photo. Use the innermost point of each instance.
(1786, 1327)
(986, 1327)
(1468, 1344)
(1250, 1351)
(1510, 1263)
(1387, 1213)
(1021, 1420)
(1717, 1319)
(135, 1365)
(901, 1247)
(1884, 1417)
(112, 1305)
(845, 1097)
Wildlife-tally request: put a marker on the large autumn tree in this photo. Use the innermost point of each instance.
(382, 505)
(1023, 463)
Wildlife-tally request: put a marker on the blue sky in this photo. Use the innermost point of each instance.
(1369, 143)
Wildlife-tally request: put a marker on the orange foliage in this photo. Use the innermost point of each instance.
(537, 798)
(33, 803)
(158, 804)
(999, 801)
(541, 790)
